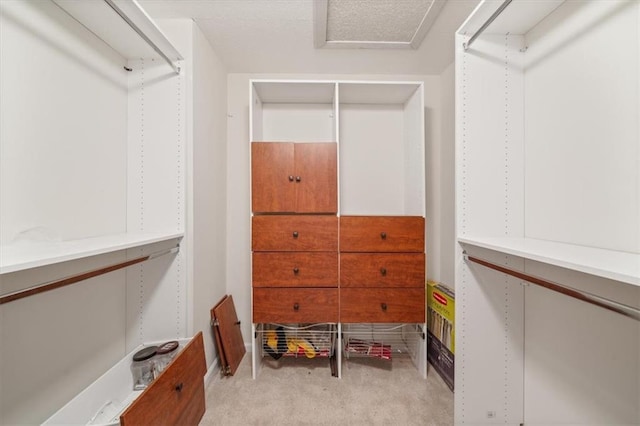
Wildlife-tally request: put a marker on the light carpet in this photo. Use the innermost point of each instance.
(302, 392)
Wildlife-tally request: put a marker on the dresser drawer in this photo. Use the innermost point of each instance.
(295, 305)
(382, 270)
(381, 234)
(294, 233)
(295, 269)
(176, 397)
(382, 305)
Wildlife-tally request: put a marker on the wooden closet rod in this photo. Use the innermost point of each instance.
(488, 22)
(51, 285)
(622, 309)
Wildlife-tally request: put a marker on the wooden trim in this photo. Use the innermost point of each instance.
(52, 285)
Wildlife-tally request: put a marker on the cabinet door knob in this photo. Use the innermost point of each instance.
(296, 306)
(290, 178)
(383, 235)
(383, 306)
(298, 178)
(383, 272)
(179, 387)
(295, 234)
(296, 270)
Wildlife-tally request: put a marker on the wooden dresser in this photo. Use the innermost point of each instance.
(338, 222)
(382, 269)
(294, 232)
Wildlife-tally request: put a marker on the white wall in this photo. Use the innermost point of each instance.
(64, 146)
(238, 216)
(447, 204)
(207, 171)
(440, 157)
(210, 185)
(64, 98)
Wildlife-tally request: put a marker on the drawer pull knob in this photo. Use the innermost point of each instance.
(383, 306)
(296, 270)
(298, 178)
(296, 306)
(383, 235)
(290, 178)
(295, 234)
(383, 272)
(179, 387)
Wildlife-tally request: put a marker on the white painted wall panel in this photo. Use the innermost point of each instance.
(297, 122)
(62, 126)
(490, 175)
(582, 134)
(63, 117)
(581, 361)
(372, 156)
(414, 154)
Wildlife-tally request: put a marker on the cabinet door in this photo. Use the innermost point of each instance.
(272, 177)
(316, 178)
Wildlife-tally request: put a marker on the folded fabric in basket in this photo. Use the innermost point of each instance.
(368, 348)
(297, 345)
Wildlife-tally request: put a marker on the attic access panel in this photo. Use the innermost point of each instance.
(379, 24)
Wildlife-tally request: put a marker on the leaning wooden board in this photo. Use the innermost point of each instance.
(226, 328)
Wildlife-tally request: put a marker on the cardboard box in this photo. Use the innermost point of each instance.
(440, 330)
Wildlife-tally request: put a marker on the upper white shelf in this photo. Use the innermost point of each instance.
(387, 92)
(27, 255)
(295, 91)
(615, 265)
(519, 17)
(123, 25)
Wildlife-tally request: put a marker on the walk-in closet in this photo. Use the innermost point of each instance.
(426, 212)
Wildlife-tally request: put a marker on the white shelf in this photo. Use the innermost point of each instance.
(615, 265)
(26, 255)
(105, 398)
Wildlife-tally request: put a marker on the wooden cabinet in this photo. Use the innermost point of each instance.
(295, 269)
(294, 233)
(382, 269)
(381, 234)
(382, 305)
(300, 305)
(293, 177)
(176, 397)
(368, 265)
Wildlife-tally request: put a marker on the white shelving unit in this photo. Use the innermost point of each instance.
(610, 264)
(548, 185)
(94, 177)
(29, 255)
(379, 130)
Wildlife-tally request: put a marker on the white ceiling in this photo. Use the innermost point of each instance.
(277, 36)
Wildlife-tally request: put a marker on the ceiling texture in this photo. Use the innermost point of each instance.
(325, 36)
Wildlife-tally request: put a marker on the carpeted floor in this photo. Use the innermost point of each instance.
(302, 392)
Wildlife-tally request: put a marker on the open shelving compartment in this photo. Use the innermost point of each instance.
(93, 181)
(548, 187)
(310, 341)
(383, 341)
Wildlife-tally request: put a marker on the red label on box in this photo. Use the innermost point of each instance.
(440, 298)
